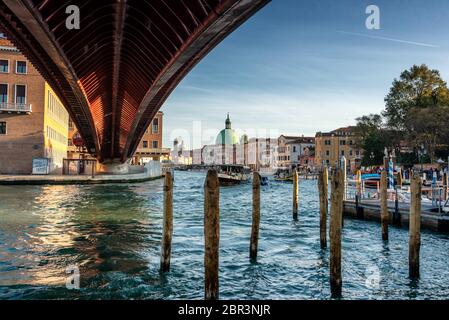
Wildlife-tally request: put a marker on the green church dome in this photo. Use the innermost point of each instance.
(227, 136)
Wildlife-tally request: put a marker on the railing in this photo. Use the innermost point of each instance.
(153, 150)
(15, 107)
(166, 167)
(436, 196)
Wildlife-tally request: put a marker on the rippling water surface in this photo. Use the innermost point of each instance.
(113, 233)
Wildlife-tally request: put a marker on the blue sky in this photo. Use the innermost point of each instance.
(302, 66)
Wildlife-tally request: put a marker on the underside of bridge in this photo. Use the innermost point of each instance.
(115, 72)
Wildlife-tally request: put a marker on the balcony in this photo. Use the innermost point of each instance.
(15, 107)
(151, 151)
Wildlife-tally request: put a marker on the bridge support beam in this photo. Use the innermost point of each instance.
(113, 168)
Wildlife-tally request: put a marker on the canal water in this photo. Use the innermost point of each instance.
(112, 233)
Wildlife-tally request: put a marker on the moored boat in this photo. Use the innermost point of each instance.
(371, 180)
(283, 175)
(230, 175)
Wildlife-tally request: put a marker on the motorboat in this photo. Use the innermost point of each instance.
(371, 180)
(283, 175)
(230, 175)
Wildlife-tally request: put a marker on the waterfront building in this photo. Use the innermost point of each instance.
(299, 148)
(307, 160)
(229, 148)
(227, 145)
(150, 147)
(33, 121)
(262, 153)
(331, 146)
(291, 148)
(197, 156)
(179, 155)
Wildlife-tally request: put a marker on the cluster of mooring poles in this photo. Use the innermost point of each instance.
(337, 196)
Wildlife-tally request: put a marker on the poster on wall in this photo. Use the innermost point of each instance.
(41, 166)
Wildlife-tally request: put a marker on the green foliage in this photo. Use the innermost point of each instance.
(419, 88)
(408, 159)
(427, 127)
(368, 125)
(374, 145)
(417, 111)
(374, 138)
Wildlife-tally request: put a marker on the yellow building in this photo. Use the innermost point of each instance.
(56, 129)
(33, 122)
(331, 146)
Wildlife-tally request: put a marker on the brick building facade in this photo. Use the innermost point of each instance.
(33, 122)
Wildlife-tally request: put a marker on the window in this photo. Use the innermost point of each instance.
(155, 125)
(328, 153)
(4, 66)
(21, 67)
(3, 93)
(155, 145)
(342, 153)
(351, 153)
(2, 127)
(342, 142)
(21, 94)
(70, 143)
(294, 148)
(145, 144)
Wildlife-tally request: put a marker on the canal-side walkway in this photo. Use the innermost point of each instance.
(75, 180)
(152, 171)
(431, 218)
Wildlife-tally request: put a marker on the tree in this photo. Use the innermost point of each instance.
(374, 138)
(419, 88)
(427, 127)
(417, 108)
(367, 125)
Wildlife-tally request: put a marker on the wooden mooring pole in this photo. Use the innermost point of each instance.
(295, 194)
(336, 217)
(211, 235)
(415, 226)
(384, 215)
(168, 223)
(445, 186)
(256, 217)
(322, 190)
(359, 195)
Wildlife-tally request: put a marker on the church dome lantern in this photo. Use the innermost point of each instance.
(227, 136)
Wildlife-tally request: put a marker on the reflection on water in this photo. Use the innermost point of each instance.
(113, 233)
